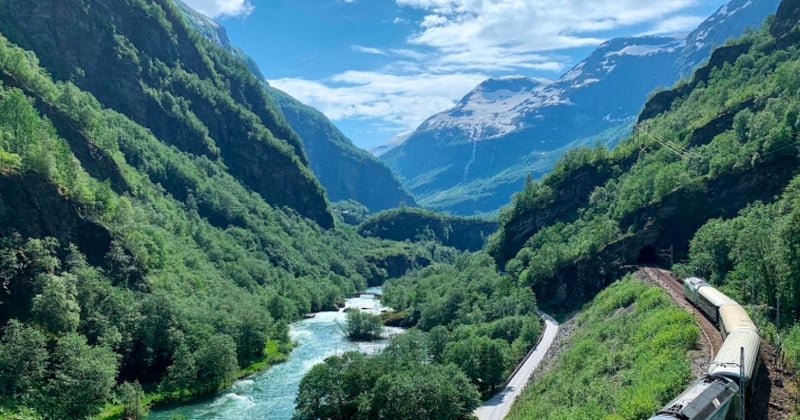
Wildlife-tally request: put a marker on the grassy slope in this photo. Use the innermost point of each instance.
(626, 357)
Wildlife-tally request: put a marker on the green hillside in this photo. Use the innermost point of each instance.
(186, 91)
(627, 356)
(725, 140)
(410, 224)
(137, 250)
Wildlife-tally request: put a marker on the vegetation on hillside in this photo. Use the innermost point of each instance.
(414, 224)
(626, 358)
(125, 260)
(726, 143)
(471, 327)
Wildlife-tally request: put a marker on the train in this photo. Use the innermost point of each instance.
(720, 393)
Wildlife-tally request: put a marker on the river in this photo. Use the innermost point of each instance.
(270, 394)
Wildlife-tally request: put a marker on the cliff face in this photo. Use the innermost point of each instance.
(711, 148)
(186, 91)
(346, 172)
(35, 208)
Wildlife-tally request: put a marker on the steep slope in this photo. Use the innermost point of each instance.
(723, 141)
(179, 86)
(138, 257)
(346, 172)
(468, 159)
(409, 224)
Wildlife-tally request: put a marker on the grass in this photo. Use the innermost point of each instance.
(626, 358)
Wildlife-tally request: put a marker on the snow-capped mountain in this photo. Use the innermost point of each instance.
(471, 158)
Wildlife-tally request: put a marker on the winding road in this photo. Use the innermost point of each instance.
(497, 407)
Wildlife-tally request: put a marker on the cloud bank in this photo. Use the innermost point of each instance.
(217, 8)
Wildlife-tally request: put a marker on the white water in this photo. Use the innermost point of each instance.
(270, 394)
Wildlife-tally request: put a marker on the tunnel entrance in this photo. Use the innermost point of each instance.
(647, 255)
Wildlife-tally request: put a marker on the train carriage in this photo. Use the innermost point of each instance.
(713, 397)
(709, 300)
(734, 317)
(726, 362)
(707, 399)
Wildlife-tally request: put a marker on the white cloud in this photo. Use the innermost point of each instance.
(401, 101)
(215, 8)
(504, 29)
(368, 50)
(455, 44)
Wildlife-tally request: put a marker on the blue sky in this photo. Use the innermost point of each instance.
(378, 68)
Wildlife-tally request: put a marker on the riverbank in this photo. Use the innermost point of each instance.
(275, 352)
(271, 394)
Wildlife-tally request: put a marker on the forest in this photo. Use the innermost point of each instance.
(149, 254)
(133, 266)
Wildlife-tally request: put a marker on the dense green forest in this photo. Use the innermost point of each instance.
(130, 261)
(471, 325)
(413, 224)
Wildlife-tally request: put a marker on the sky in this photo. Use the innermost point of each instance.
(379, 68)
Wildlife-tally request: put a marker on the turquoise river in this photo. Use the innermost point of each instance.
(270, 394)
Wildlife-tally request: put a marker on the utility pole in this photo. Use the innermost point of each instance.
(742, 382)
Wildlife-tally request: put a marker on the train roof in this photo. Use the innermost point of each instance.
(726, 361)
(734, 317)
(693, 282)
(714, 296)
(701, 400)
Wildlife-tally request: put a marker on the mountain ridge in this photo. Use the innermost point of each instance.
(346, 171)
(447, 166)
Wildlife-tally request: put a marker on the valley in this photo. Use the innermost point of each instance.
(180, 235)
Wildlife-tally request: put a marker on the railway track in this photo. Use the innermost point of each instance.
(770, 404)
(712, 339)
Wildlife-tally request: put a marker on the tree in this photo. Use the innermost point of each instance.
(132, 398)
(363, 325)
(428, 391)
(56, 307)
(23, 360)
(216, 362)
(321, 393)
(182, 373)
(83, 377)
(481, 359)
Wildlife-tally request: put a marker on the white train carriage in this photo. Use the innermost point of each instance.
(734, 317)
(726, 361)
(706, 297)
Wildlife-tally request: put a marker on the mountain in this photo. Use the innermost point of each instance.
(721, 145)
(159, 224)
(200, 100)
(346, 171)
(471, 158)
